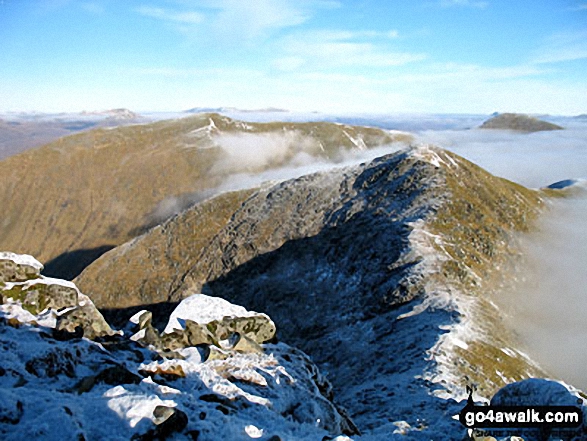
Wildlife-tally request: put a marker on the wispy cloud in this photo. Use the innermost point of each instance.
(463, 3)
(185, 17)
(567, 46)
(237, 20)
(172, 72)
(93, 7)
(326, 49)
(49, 5)
(579, 7)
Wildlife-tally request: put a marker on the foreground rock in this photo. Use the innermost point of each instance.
(27, 296)
(518, 122)
(129, 388)
(204, 320)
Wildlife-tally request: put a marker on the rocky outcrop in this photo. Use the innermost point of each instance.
(84, 194)
(381, 272)
(518, 122)
(18, 268)
(26, 295)
(128, 387)
(534, 392)
(202, 320)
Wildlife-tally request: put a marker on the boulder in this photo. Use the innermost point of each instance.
(88, 318)
(18, 267)
(541, 392)
(203, 321)
(219, 319)
(51, 302)
(42, 293)
(535, 392)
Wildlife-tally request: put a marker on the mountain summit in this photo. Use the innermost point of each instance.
(518, 122)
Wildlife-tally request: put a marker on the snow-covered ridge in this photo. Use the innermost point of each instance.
(380, 272)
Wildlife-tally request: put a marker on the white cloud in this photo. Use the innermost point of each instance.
(197, 73)
(93, 7)
(566, 46)
(467, 72)
(186, 17)
(253, 19)
(237, 20)
(288, 63)
(465, 3)
(580, 7)
(437, 88)
(327, 49)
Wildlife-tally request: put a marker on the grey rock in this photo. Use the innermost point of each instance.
(88, 318)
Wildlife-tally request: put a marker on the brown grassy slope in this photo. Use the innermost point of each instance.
(97, 188)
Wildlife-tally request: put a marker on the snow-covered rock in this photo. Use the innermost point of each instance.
(536, 392)
(542, 392)
(53, 388)
(220, 317)
(28, 297)
(18, 267)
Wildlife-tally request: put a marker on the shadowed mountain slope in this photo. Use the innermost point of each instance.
(380, 272)
(100, 188)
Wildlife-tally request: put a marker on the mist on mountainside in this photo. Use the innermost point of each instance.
(250, 160)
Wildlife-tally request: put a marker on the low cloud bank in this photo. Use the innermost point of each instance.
(547, 305)
(534, 160)
(253, 152)
(249, 160)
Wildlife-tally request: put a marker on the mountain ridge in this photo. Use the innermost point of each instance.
(399, 254)
(88, 192)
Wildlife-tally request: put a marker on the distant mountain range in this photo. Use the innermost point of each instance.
(20, 132)
(234, 109)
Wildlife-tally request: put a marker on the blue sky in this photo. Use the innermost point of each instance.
(376, 56)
